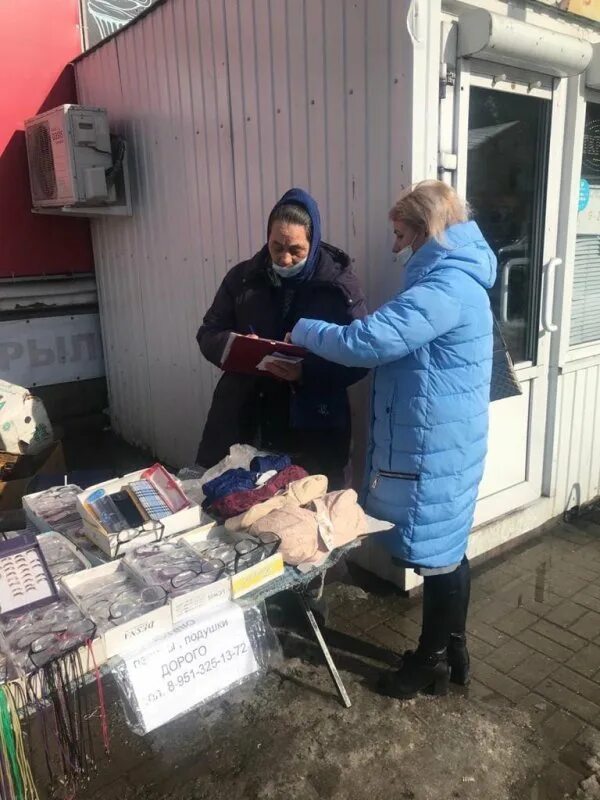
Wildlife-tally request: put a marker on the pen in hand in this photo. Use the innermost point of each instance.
(252, 334)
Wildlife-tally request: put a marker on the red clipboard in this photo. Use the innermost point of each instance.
(243, 354)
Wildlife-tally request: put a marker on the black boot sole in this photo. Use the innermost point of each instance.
(386, 686)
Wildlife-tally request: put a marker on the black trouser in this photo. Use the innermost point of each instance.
(445, 607)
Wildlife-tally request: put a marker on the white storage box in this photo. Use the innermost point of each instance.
(130, 635)
(196, 600)
(249, 579)
(64, 518)
(185, 520)
(30, 506)
(203, 533)
(62, 557)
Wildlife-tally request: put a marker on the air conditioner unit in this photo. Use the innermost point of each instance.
(73, 160)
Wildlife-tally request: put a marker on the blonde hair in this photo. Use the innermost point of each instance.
(430, 206)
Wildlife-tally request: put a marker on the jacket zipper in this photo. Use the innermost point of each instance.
(400, 476)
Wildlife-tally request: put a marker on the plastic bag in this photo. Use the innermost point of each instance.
(199, 660)
(193, 489)
(240, 455)
(8, 670)
(24, 425)
(191, 474)
(43, 634)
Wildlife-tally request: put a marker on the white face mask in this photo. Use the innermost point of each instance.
(405, 255)
(289, 272)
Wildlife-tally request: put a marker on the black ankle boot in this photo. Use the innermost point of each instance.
(419, 673)
(458, 659)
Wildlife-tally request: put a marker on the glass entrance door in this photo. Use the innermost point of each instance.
(505, 127)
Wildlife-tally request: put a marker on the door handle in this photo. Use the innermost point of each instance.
(548, 296)
(504, 283)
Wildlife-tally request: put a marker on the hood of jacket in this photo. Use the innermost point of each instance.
(463, 248)
(298, 197)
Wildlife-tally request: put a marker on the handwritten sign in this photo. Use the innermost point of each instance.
(200, 658)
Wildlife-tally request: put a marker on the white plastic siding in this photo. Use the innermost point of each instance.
(226, 105)
(578, 447)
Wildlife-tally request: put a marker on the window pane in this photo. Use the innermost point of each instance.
(506, 173)
(585, 309)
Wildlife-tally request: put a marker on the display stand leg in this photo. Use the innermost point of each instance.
(333, 671)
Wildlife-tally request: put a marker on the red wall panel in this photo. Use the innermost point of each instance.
(37, 40)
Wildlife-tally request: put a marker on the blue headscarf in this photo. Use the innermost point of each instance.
(298, 197)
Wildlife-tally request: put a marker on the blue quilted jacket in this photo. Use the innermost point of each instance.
(432, 349)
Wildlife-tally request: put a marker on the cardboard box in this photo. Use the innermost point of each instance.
(8, 462)
(182, 521)
(50, 462)
(584, 8)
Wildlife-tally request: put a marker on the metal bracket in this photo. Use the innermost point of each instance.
(447, 78)
(447, 162)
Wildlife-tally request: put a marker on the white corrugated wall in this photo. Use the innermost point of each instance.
(578, 447)
(225, 105)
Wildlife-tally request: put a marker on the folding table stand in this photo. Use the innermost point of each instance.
(298, 582)
(333, 670)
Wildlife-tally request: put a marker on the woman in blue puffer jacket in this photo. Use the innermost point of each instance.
(431, 347)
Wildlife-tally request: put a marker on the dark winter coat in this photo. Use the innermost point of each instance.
(310, 421)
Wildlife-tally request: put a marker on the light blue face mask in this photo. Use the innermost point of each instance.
(289, 272)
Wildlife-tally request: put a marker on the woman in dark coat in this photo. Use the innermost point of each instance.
(300, 409)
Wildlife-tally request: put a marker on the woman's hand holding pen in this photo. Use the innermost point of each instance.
(279, 369)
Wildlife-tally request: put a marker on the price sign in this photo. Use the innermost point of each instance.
(198, 659)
